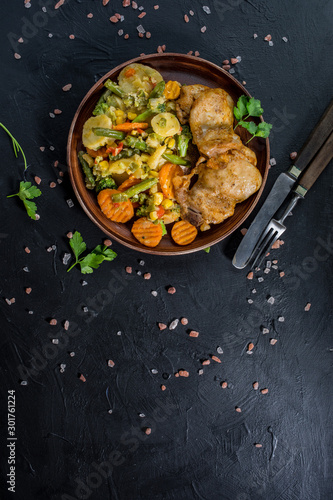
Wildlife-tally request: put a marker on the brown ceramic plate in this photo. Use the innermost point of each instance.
(187, 70)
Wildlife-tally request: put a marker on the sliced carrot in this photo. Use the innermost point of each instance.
(167, 173)
(183, 232)
(117, 212)
(100, 152)
(129, 126)
(130, 72)
(131, 181)
(148, 233)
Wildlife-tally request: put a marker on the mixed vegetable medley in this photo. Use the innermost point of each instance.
(135, 146)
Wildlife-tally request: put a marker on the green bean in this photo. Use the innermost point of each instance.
(107, 132)
(143, 117)
(87, 171)
(157, 90)
(109, 84)
(176, 159)
(134, 190)
(133, 142)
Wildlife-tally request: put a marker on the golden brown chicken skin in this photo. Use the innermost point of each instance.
(188, 94)
(213, 197)
(226, 170)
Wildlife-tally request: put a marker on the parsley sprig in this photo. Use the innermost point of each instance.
(93, 259)
(16, 146)
(246, 107)
(26, 193)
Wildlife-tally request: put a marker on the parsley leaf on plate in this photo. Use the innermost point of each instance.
(241, 109)
(26, 193)
(253, 107)
(93, 259)
(246, 107)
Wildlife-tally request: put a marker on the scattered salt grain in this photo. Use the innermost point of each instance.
(72, 354)
(59, 4)
(105, 2)
(134, 5)
(51, 148)
(57, 111)
(28, 290)
(197, 53)
(140, 16)
(139, 273)
(171, 290)
(66, 258)
(293, 155)
(273, 341)
(264, 391)
(85, 309)
(27, 250)
(148, 431)
(268, 38)
(128, 269)
(148, 34)
(226, 61)
(250, 301)
(156, 7)
(141, 262)
(234, 60)
(194, 334)
(53, 321)
(206, 9)
(200, 371)
(82, 378)
(126, 3)
(224, 385)
(27, 5)
(191, 13)
(255, 35)
(203, 29)
(270, 43)
(114, 19)
(281, 274)
(62, 368)
(90, 15)
(162, 326)
(84, 283)
(216, 359)
(140, 29)
(50, 35)
(205, 362)
(183, 373)
(285, 39)
(265, 330)
(307, 307)
(147, 276)
(186, 18)
(52, 115)
(272, 162)
(258, 445)
(111, 363)
(154, 371)
(120, 32)
(38, 180)
(72, 37)
(238, 409)
(126, 36)
(267, 270)
(260, 279)
(255, 386)
(281, 319)
(20, 40)
(184, 321)
(163, 387)
(55, 341)
(42, 148)
(8, 302)
(24, 382)
(26, 269)
(142, 415)
(119, 333)
(243, 231)
(232, 71)
(219, 350)
(173, 324)
(271, 300)
(254, 290)
(70, 203)
(30, 312)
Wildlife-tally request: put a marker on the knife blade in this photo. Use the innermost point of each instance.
(282, 187)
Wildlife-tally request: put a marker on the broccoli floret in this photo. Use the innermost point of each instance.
(101, 106)
(105, 183)
(183, 140)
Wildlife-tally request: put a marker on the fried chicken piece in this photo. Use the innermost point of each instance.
(213, 197)
(188, 94)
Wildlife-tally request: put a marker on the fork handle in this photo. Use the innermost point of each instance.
(316, 167)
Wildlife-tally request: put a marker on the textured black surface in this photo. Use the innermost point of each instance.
(199, 447)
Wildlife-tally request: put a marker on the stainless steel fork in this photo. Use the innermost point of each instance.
(273, 231)
(276, 228)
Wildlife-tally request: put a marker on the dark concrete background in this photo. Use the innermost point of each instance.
(200, 447)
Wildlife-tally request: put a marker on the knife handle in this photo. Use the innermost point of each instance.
(316, 167)
(316, 139)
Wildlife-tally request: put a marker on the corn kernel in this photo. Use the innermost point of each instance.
(119, 120)
(153, 189)
(158, 198)
(119, 112)
(152, 173)
(172, 90)
(167, 204)
(131, 116)
(153, 215)
(171, 142)
(104, 164)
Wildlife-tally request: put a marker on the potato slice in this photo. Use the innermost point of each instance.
(165, 124)
(89, 139)
(143, 78)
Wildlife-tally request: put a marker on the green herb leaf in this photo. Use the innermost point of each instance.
(16, 145)
(207, 250)
(263, 130)
(241, 109)
(93, 259)
(77, 245)
(254, 107)
(27, 191)
(250, 126)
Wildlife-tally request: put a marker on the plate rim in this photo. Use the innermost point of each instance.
(99, 224)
